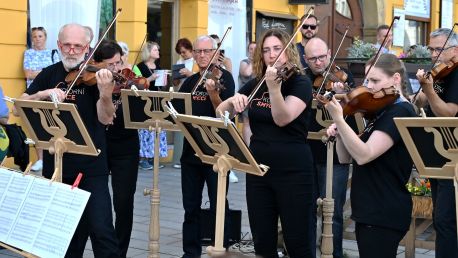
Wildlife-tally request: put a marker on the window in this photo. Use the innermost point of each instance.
(343, 8)
(415, 33)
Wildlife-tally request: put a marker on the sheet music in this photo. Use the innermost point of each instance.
(162, 79)
(45, 217)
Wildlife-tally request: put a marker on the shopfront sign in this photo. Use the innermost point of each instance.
(418, 8)
(268, 20)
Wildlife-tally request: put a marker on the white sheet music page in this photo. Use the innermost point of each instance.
(47, 217)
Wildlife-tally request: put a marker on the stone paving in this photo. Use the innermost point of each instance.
(171, 217)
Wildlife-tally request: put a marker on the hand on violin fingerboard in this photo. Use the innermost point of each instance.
(334, 108)
(105, 82)
(210, 86)
(338, 87)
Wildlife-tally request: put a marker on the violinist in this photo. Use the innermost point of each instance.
(381, 204)
(193, 172)
(276, 131)
(318, 56)
(440, 96)
(96, 109)
(122, 152)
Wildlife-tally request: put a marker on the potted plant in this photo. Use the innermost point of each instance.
(358, 53)
(421, 198)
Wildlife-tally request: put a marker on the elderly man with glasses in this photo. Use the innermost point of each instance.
(440, 97)
(194, 173)
(96, 109)
(309, 30)
(318, 58)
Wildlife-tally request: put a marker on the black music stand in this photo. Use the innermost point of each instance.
(216, 141)
(144, 110)
(57, 128)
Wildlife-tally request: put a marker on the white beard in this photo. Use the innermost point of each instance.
(71, 62)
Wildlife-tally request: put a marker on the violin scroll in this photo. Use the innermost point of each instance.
(286, 70)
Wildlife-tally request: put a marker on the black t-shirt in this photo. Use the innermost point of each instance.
(281, 148)
(378, 193)
(85, 98)
(319, 149)
(447, 91)
(202, 106)
(146, 72)
(120, 140)
(301, 51)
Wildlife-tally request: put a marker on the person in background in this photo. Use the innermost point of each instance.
(381, 204)
(96, 110)
(194, 173)
(246, 66)
(125, 59)
(276, 129)
(382, 30)
(308, 31)
(440, 99)
(149, 55)
(35, 59)
(4, 115)
(225, 61)
(184, 49)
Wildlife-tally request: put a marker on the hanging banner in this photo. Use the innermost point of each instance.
(221, 15)
(399, 28)
(52, 15)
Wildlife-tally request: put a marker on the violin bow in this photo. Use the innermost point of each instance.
(333, 59)
(258, 86)
(435, 60)
(377, 55)
(141, 47)
(91, 54)
(202, 76)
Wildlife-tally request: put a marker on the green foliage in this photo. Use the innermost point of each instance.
(419, 51)
(361, 49)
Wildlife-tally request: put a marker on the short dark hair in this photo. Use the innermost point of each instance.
(107, 50)
(310, 16)
(183, 42)
(382, 27)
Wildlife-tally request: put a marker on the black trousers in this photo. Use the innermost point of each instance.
(124, 174)
(377, 242)
(444, 218)
(193, 178)
(96, 222)
(288, 195)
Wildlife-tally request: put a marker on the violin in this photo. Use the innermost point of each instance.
(336, 74)
(286, 70)
(441, 70)
(123, 80)
(363, 100)
(215, 72)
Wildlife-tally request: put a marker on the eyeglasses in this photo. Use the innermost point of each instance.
(275, 49)
(308, 26)
(38, 28)
(317, 58)
(205, 51)
(77, 49)
(111, 66)
(438, 49)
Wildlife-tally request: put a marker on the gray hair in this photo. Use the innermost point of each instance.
(124, 47)
(86, 31)
(452, 41)
(146, 50)
(206, 38)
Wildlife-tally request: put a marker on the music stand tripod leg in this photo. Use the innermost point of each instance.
(222, 167)
(327, 247)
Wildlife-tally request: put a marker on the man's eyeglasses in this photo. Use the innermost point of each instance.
(77, 49)
(111, 66)
(438, 49)
(317, 58)
(205, 51)
(308, 26)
